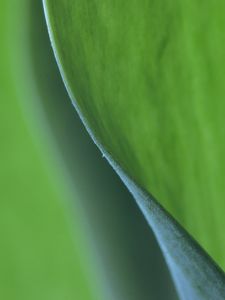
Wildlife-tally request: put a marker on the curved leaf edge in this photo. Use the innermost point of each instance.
(195, 274)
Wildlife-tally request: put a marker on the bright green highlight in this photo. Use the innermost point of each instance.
(148, 77)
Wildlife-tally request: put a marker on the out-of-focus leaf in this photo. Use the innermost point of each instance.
(44, 252)
(148, 81)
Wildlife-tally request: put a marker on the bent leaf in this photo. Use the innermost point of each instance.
(99, 192)
(148, 81)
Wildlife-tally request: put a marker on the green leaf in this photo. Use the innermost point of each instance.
(148, 81)
(116, 239)
(45, 251)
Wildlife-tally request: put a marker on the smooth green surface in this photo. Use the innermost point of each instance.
(148, 77)
(44, 251)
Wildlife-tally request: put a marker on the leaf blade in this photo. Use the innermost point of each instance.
(87, 75)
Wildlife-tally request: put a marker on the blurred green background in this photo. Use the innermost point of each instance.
(69, 229)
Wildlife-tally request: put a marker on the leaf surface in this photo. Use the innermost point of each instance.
(148, 77)
(121, 245)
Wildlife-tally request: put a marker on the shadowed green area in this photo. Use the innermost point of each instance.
(44, 253)
(148, 77)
